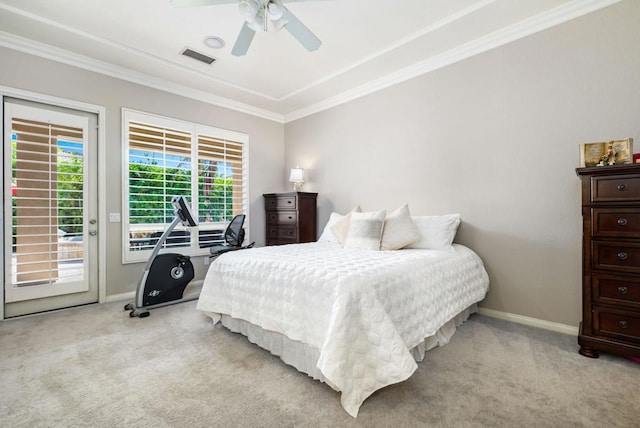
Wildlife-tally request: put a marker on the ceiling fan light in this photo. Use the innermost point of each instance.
(275, 9)
(258, 23)
(249, 10)
(279, 24)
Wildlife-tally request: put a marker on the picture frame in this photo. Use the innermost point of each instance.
(606, 153)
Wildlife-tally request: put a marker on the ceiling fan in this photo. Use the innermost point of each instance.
(256, 14)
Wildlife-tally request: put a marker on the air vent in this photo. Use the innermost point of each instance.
(198, 56)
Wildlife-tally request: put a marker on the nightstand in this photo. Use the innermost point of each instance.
(291, 217)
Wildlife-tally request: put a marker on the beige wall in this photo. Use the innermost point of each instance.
(266, 140)
(494, 138)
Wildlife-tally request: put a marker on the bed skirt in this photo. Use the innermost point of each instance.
(305, 357)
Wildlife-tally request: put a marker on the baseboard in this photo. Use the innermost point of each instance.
(533, 322)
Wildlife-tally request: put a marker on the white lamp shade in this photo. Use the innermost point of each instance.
(297, 175)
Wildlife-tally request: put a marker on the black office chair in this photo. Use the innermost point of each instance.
(233, 238)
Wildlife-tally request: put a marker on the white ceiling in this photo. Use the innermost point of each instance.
(366, 44)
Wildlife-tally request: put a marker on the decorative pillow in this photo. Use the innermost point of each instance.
(399, 230)
(341, 228)
(365, 230)
(436, 232)
(327, 234)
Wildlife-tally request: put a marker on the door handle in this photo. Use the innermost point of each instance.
(93, 233)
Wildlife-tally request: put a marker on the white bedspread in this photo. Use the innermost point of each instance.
(363, 310)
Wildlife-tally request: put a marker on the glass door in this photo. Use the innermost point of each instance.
(50, 208)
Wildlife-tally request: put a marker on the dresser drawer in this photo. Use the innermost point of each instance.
(282, 217)
(615, 222)
(616, 290)
(280, 203)
(615, 188)
(281, 232)
(616, 255)
(271, 242)
(618, 324)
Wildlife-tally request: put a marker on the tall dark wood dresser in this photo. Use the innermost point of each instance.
(611, 260)
(291, 217)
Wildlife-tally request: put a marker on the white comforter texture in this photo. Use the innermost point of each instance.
(363, 310)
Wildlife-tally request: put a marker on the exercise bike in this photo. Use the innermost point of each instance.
(166, 275)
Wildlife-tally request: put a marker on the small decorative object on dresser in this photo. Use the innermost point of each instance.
(610, 260)
(291, 217)
(606, 154)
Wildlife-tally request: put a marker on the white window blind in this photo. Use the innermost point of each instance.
(166, 158)
(47, 201)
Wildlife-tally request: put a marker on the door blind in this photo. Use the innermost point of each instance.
(47, 198)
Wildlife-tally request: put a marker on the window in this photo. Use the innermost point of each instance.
(166, 158)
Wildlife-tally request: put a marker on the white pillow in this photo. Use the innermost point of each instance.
(341, 227)
(327, 234)
(436, 232)
(365, 230)
(399, 230)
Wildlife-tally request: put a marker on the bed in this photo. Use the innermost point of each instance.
(356, 319)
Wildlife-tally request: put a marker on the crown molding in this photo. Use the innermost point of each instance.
(130, 50)
(524, 28)
(527, 27)
(362, 61)
(53, 53)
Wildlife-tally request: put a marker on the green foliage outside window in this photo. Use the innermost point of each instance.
(70, 180)
(151, 188)
(217, 205)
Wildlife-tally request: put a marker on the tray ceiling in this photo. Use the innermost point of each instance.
(366, 44)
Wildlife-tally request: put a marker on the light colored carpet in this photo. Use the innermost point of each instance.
(94, 366)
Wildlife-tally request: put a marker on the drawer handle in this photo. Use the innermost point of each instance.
(290, 201)
(623, 256)
(622, 187)
(290, 217)
(623, 324)
(623, 290)
(622, 221)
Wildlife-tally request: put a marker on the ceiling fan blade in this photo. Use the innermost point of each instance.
(243, 41)
(301, 32)
(190, 3)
